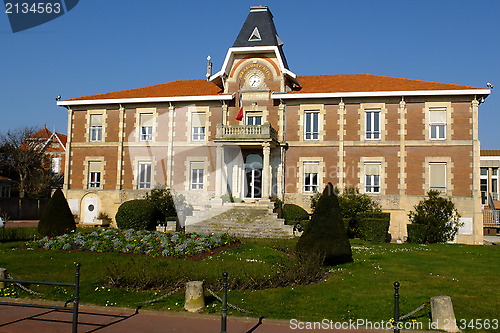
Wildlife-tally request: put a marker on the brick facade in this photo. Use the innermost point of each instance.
(393, 138)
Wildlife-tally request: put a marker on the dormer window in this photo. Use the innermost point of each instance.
(255, 36)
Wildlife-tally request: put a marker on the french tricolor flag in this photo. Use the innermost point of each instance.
(239, 116)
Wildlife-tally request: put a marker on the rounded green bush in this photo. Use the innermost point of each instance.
(294, 213)
(138, 215)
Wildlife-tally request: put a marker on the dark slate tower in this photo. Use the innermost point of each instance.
(257, 38)
(259, 30)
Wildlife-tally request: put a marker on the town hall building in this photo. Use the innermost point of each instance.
(256, 129)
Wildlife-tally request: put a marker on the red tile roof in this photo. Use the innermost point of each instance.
(45, 134)
(169, 89)
(490, 152)
(369, 83)
(310, 84)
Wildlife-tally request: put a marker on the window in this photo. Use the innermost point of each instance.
(56, 164)
(372, 124)
(437, 177)
(146, 126)
(437, 123)
(253, 119)
(494, 183)
(94, 174)
(372, 177)
(144, 179)
(311, 176)
(197, 174)
(311, 125)
(198, 126)
(95, 127)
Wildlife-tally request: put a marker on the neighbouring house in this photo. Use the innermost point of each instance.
(490, 164)
(5, 187)
(255, 130)
(53, 145)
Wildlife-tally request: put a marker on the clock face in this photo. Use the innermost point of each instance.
(254, 80)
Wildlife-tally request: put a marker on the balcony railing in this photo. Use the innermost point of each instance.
(246, 132)
(491, 217)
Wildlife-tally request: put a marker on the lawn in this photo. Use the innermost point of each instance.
(359, 290)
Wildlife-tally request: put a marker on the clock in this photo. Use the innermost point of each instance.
(254, 80)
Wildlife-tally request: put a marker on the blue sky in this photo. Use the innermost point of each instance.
(104, 45)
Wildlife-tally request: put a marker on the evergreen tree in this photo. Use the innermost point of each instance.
(325, 234)
(57, 218)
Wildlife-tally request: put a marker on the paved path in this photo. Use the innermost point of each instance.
(15, 319)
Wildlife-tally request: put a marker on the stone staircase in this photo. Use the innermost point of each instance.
(255, 220)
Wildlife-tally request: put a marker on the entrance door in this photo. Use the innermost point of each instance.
(253, 176)
(90, 209)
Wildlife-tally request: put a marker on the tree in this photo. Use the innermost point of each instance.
(325, 234)
(438, 217)
(57, 218)
(24, 161)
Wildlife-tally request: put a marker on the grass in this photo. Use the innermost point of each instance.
(359, 290)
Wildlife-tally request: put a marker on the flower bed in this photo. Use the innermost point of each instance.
(151, 243)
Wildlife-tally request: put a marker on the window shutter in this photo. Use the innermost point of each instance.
(146, 119)
(372, 169)
(96, 120)
(197, 165)
(438, 115)
(198, 119)
(437, 174)
(94, 166)
(311, 167)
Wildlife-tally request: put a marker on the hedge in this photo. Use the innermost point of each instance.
(416, 233)
(294, 213)
(138, 215)
(374, 226)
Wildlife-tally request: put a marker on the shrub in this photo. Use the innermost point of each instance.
(416, 233)
(374, 226)
(163, 201)
(294, 214)
(18, 234)
(351, 203)
(438, 215)
(138, 215)
(57, 218)
(325, 234)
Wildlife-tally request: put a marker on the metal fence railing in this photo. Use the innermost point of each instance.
(76, 296)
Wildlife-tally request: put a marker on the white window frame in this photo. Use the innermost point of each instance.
(251, 118)
(95, 180)
(146, 133)
(196, 176)
(56, 164)
(372, 132)
(440, 127)
(95, 133)
(198, 134)
(309, 133)
(373, 183)
(144, 179)
(311, 179)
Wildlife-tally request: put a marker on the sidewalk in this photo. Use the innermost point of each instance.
(16, 319)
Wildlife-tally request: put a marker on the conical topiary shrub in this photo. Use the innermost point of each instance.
(325, 235)
(57, 219)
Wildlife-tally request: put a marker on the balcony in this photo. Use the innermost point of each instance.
(246, 132)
